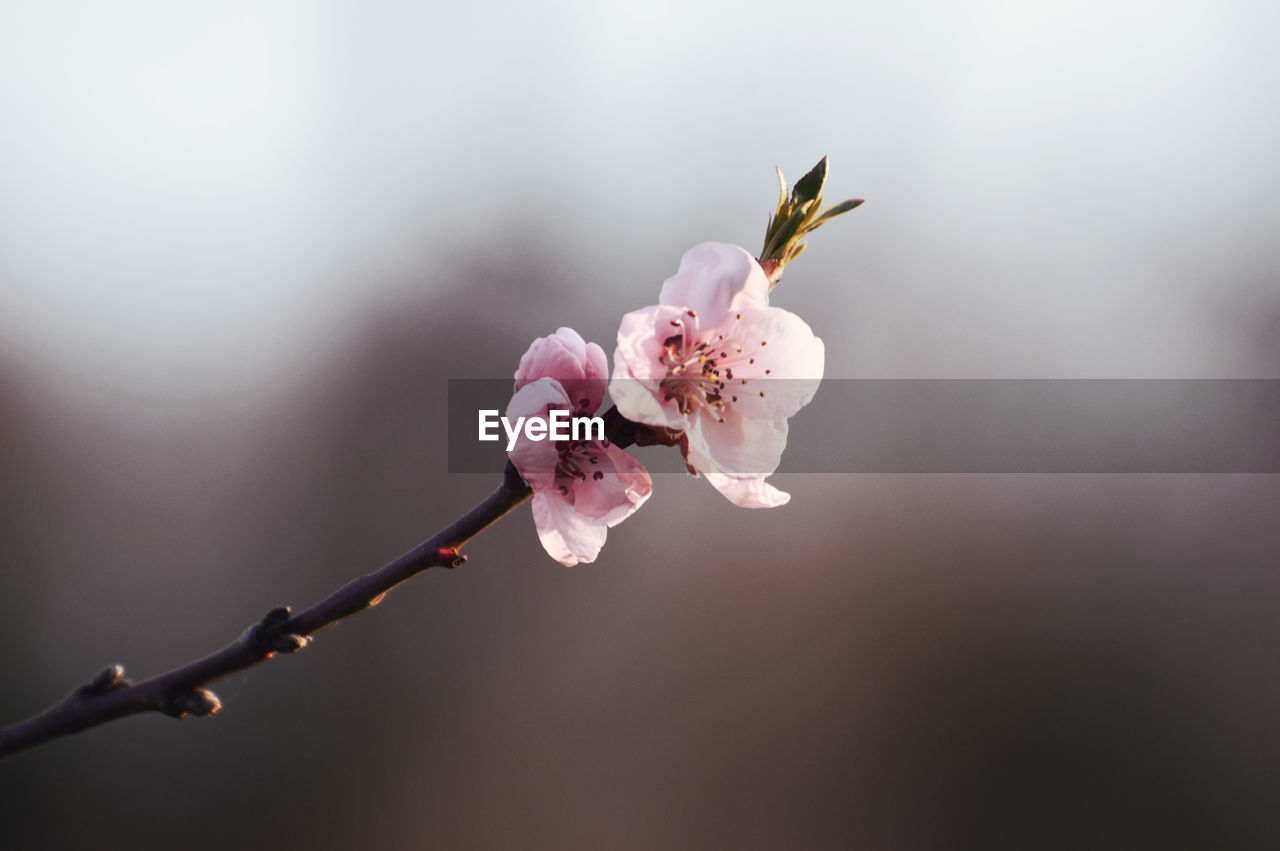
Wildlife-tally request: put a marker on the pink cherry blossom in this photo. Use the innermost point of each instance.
(698, 361)
(580, 488)
(581, 368)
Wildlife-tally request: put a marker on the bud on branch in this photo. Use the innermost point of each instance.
(798, 214)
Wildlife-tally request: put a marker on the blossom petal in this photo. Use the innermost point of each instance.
(638, 368)
(566, 535)
(597, 379)
(579, 366)
(792, 350)
(618, 485)
(781, 376)
(716, 280)
(748, 491)
(536, 459)
(737, 455)
(738, 445)
(640, 343)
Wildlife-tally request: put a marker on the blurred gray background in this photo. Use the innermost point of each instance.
(244, 245)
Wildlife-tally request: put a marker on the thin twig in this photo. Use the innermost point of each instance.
(181, 692)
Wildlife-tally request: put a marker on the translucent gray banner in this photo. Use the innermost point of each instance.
(979, 426)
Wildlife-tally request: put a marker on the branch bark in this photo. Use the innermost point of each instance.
(182, 691)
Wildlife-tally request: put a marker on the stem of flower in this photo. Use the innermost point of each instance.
(772, 270)
(181, 692)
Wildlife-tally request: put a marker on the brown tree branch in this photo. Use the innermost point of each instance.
(182, 691)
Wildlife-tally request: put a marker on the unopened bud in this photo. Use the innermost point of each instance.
(108, 679)
(279, 614)
(199, 702)
(289, 643)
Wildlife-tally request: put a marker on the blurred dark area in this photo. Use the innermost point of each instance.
(890, 661)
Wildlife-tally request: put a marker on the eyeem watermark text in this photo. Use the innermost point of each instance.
(559, 425)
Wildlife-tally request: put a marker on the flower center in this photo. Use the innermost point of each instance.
(701, 373)
(577, 462)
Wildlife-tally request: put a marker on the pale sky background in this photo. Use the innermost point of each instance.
(208, 192)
